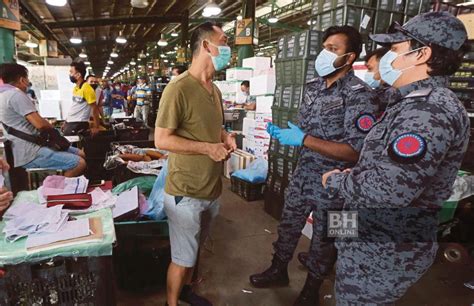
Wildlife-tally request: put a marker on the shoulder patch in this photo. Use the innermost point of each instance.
(419, 93)
(407, 148)
(365, 122)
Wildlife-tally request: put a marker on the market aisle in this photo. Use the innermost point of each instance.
(240, 246)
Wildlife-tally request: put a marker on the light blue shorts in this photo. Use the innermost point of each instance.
(189, 222)
(47, 158)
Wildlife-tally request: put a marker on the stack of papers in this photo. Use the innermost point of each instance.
(56, 185)
(127, 202)
(24, 219)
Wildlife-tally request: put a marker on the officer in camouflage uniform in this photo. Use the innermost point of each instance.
(334, 117)
(407, 166)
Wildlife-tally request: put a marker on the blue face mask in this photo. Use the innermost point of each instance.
(325, 62)
(369, 79)
(222, 60)
(389, 74)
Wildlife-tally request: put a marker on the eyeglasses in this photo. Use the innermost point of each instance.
(396, 27)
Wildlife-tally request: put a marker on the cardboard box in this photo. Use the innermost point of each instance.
(257, 63)
(238, 74)
(248, 126)
(264, 104)
(262, 85)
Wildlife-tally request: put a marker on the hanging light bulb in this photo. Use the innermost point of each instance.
(83, 54)
(174, 34)
(133, 63)
(121, 39)
(141, 55)
(75, 39)
(239, 17)
(110, 62)
(211, 9)
(30, 44)
(273, 19)
(139, 3)
(56, 2)
(87, 63)
(162, 42)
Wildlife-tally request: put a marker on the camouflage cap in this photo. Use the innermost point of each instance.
(440, 28)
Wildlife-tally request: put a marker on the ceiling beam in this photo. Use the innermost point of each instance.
(85, 23)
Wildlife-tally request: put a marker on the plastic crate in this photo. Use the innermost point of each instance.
(281, 48)
(142, 254)
(416, 7)
(309, 44)
(323, 6)
(304, 71)
(383, 20)
(246, 190)
(133, 134)
(345, 15)
(60, 281)
(281, 116)
(390, 5)
(96, 147)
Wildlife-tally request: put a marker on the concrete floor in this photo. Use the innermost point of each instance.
(240, 246)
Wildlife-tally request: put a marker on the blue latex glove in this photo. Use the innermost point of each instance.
(272, 129)
(293, 136)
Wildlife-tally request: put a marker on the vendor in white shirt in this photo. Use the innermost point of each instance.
(83, 104)
(250, 102)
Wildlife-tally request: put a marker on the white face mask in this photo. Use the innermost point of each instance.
(389, 74)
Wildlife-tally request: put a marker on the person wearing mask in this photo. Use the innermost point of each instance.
(94, 83)
(142, 95)
(83, 105)
(131, 98)
(18, 114)
(189, 126)
(250, 101)
(105, 101)
(335, 115)
(118, 99)
(407, 166)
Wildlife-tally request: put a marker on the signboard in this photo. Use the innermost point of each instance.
(43, 48)
(244, 32)
(10, 14)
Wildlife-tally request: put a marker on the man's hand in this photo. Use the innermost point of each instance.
(5, 198)
(229, 141)
(327, 174)
(94, 131)
(217, 151)
(4, 166)
(293, 136)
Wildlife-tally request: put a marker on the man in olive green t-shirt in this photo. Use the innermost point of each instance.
(189, 125)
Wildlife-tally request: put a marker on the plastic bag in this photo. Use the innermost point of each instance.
(157, 197)
(255, 173)
(144, 183)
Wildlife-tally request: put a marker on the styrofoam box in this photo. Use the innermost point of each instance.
(264, 104)
(248, 126)
(238, 74)
(264, 72)
(228, 86)
(237, 97)
(250, 114)
(262, 85)
(263, 117)
(257, 63)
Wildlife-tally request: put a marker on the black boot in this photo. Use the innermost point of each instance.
(187, 295)
(309, 296)
(303, 258)
(275, 276)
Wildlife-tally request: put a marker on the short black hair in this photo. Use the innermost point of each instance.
(180, 69)
(202, 32)
(354, 39)
(11, 73)
(378, 53)
(245, 83)
(80, 67)
(443, 61)
(90, 76)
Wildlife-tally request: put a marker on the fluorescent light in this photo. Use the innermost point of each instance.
(273, 19)
(211, 9)
(121, 39)
(56, 2)
(139, 3)
(162, 42)
(165, 61)
(31, 44)
(114, 53)
(174, 34)
(110, 62)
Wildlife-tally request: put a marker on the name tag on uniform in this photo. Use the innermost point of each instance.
(333, 104)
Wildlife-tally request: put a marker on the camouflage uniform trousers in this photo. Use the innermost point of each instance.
(376, 273)
(322, 252)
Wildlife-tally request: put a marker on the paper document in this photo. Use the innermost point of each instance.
(2, 180)
(126, 202)
(70, 230)
(73, 138)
